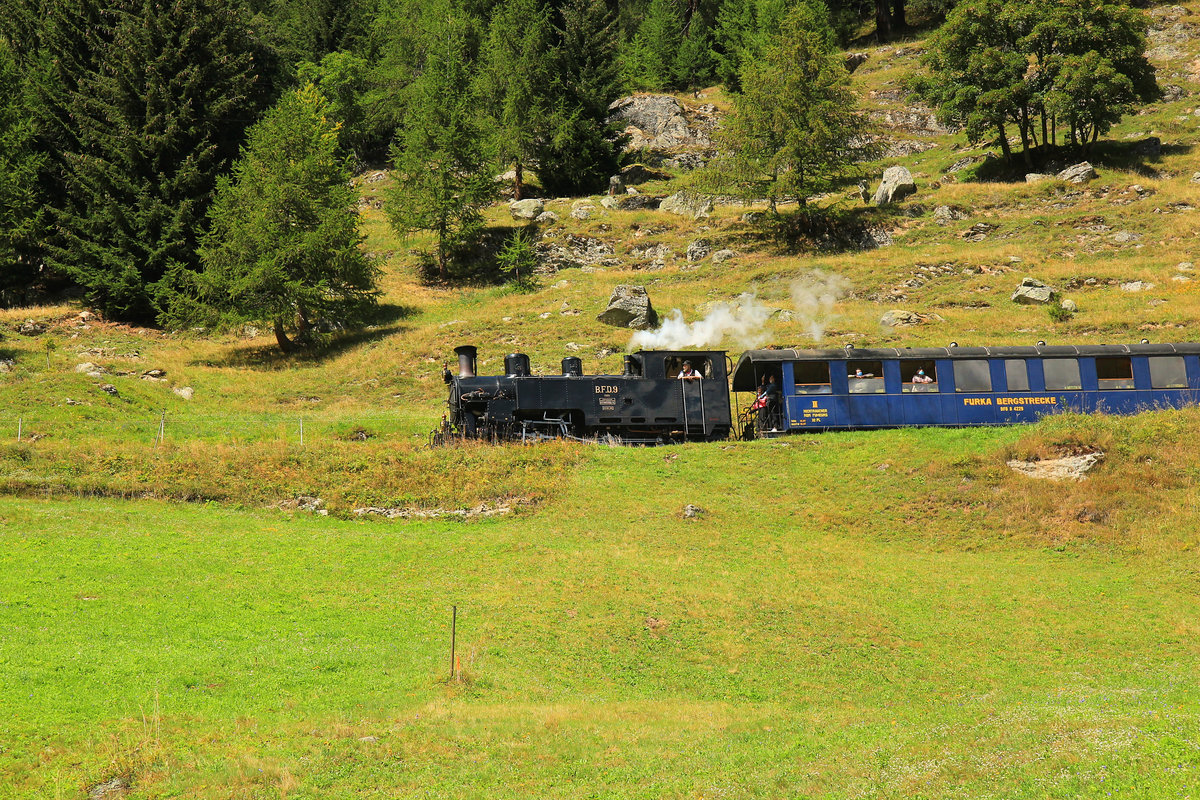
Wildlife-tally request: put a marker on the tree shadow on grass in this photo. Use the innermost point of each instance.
(826, 231)
(384, 322)
(1138, 156)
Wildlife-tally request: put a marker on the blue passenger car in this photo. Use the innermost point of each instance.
(890, 387)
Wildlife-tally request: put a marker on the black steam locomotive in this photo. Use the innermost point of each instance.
(659, 397)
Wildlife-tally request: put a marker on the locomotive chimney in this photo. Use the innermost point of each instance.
(572, 366)
(630, 367)
(516, 365)
(466, 360)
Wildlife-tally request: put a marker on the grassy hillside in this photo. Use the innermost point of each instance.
(870, 614)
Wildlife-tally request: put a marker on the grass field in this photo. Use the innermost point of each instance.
(609, 647)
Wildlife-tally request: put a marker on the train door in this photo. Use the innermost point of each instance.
(809, 395)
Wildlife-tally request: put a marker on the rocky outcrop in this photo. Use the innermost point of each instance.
(944, 215)
(526, 209)
(1070, 468)
(897, 184)
(1078, 173)
(698, 250)
(662, 128)
(898, 318)
(686, 204)
(629, 307)
(1033, 292)
(855, 60)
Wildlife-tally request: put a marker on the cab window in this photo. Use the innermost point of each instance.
(918, 376)
(865, 377)
(701, 365)
(812, 377)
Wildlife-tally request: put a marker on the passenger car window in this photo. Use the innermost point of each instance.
(1168, 372)
(972, 376)
(1016, 375)
(812, 377)
(1114, 373)
(865, 377)
(918, 376)
(1062, 373)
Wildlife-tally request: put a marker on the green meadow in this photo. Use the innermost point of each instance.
(881, 614)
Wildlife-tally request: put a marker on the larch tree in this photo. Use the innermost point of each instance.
(794, 129)
(284, 245)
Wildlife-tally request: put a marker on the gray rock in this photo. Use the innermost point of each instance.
(616, 186)
(1078, 173)
(698, 250)
(87, 368)
(31, 328)
(896, 185)
(1122, 237)
(186, 392)
(686, 204)
(635, 174)
(1136, 286)
(108, 388)
(655, 122)
(855, 60)
(609, 202)
(526, 209)
(1033, 292)
(630, 307)
(875, 238)
(944, 215)
(547, 217)
(1035, 177)
(1069, 305)
(755, 217)
(721, 256)
(898, 318)
(1072, 468)
(1195, 177)
(1150, 146)
(582, 212)
(692, 512)
(109, 790)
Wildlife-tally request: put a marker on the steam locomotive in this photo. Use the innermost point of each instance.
(648, 403)
(652, 401)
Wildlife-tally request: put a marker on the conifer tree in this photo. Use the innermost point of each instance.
(154, 124)
(441, 180)
(580, 150)
(648, 61)
(745, 28)
(21, 211)
(514, 82)
(794, 129)
(284, 246)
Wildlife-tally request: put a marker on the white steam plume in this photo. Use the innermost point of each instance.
(744, 321)
(813, 296)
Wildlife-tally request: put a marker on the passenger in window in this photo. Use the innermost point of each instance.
(858, 373)
(921, 378)
(687, 373)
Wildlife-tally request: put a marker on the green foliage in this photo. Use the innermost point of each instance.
(580, 150)
(517, 260)
(442, 180)
(514, 82)
(341, 77)
(284, 244)
(1057, 313)
(1077, 65)
(154, 124)
(794, 129)
(22, 214)
(648, 61)
(745, 29)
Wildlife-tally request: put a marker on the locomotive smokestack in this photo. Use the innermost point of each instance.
(630, 367)
(466, 360)
(572, 366)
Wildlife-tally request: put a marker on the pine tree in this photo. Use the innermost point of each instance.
(441, 179)
(21, 211)
(794, 129)
(648, 61)
(514, 82)
(745, 28)
(580, 151)
(284, 245)
(155, 124)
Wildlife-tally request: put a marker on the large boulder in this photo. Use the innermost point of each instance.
(686, 204)
(655, 122)
(699, 250)
(1033, 292)
(855, 60)
(526, 209)
(634, 174)
(1077, 173)
(896, 185)
(629, 307)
